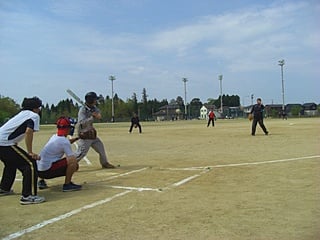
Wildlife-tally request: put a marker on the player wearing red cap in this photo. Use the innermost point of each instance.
(57, 157)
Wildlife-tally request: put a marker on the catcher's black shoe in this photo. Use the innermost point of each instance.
(108, 165)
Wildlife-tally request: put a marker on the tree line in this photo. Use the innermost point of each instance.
(123, 109)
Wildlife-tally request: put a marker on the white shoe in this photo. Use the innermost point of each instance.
(31, 199)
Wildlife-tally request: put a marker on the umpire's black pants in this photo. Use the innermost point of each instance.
(15, 158)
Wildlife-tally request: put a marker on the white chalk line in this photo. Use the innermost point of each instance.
(139, 189)
(64, 216)
(242, 164)
(183, 181)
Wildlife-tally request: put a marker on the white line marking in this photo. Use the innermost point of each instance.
(63, 216)
(265, 162)
(242, 164)
(127, 173)
(139, 189)
(185, 180)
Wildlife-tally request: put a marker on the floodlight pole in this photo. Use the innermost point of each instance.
(112, 78)
(220, 78)
(185, 80)
(281, 63)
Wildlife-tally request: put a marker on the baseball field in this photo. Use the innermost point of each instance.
(182, 180)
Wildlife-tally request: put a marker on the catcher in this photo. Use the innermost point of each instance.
(57, 157)
(135, 122)
(87, 133)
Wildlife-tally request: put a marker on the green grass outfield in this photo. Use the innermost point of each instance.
(182, 180)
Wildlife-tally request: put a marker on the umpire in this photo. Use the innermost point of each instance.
(21, 126)
(257, 111)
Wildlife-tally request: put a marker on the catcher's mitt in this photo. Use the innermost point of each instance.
(89, 133)
(250, 117)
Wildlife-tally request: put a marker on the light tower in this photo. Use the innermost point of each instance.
(221, 103)
(112, 78)
(185, 80)
(281, 63)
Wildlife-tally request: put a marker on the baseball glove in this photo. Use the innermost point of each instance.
(250, 117)
(89, 133)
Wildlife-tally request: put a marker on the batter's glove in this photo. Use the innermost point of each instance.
(250, 116)
(90, 133)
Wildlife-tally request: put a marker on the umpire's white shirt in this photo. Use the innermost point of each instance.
(14, 130)
(53, 151)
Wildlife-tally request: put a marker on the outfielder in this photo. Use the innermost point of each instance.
(86, 116)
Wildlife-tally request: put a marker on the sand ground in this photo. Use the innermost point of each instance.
(182, 180)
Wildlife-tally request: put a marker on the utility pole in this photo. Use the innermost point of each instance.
(281, 63)
(221, 103)
(185, 80)
(112, 78)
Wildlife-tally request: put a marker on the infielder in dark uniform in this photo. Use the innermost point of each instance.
(21, 126)
(135, 122)
(86, 116)
(257, 111)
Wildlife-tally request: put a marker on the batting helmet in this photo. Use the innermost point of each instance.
(91, 97)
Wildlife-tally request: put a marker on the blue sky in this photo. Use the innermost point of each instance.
(48, 46)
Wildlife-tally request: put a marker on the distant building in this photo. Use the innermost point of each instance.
(205, 109)
(310, 109)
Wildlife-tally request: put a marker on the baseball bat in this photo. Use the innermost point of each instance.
(72, 94)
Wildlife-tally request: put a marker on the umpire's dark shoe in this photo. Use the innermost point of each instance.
(108, 165)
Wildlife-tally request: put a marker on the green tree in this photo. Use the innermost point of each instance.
(195, 106)
(8, 108)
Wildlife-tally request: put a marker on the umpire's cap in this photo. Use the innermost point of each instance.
(91, 97)
(31, 103)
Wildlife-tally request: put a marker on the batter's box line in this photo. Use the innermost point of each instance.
(207, 168)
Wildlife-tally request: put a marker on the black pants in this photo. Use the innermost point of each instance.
(254, 125)
(15, 158)
(133, 124)
(211, 120)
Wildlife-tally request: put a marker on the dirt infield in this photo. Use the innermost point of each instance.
(182, 180)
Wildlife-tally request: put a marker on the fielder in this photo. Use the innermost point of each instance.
(86, 116)
(135, 122)
(257, 112)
